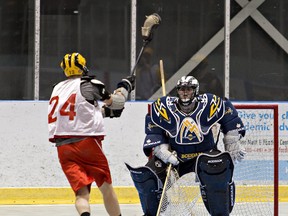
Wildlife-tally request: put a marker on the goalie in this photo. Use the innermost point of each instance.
(179, 132)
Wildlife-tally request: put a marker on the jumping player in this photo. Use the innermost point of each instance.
(179, 132)
(75, 122)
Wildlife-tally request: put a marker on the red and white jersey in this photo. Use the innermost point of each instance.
(70, 115)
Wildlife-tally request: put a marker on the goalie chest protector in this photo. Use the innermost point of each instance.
(187, 128)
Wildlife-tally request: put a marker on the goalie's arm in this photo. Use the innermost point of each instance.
(233, 130)
(156, 143)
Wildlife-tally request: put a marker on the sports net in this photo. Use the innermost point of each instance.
(256, 177)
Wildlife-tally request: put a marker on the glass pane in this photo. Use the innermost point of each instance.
(16, 50)
(258, 64)
(99, 30)
(258, 67)
(184, 29)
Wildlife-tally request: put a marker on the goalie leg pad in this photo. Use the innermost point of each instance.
(149, 188)
(217, 188)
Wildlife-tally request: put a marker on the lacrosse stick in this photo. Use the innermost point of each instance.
(164, 189)
(152, 22)
(170, 165)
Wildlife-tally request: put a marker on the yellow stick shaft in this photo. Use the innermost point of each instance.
(170, 165)
(164, 189)
(162, 78)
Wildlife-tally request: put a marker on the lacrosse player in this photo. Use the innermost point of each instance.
(75, 122)
(179, 132)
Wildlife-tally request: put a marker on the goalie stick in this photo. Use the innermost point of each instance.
(164, 189)
(152, 22)
(170, 165)
(162, 77)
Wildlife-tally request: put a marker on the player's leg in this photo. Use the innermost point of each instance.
(76, 177)
(215, 174)
(101, 173)
(82, 201)
(110, 199)
(83, 167)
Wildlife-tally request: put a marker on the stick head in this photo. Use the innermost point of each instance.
(152, 21)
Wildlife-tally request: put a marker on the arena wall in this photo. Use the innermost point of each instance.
(29, 168)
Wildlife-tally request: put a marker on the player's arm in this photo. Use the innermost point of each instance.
(113, 103)
(233, 130)
(120, 95)
(156, 143)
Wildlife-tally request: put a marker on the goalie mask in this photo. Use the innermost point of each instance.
(74, 65)
(187, 89)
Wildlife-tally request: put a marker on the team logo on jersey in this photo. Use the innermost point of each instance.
(189, 131)
(149, 142)
(215, 106)
(161, 110)
(229, 111)
(150, 126)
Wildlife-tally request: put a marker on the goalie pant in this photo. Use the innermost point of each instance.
(149, 188)
(217, 188)
(214, 170)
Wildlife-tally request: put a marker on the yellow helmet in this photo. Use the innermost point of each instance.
(73, 64)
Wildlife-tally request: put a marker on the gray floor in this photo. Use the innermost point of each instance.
(69, 210)
(63, 210)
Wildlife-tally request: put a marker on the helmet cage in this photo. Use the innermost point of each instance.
(189, 82)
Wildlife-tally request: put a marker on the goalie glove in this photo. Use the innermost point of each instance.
(232, 145)
(162, 152)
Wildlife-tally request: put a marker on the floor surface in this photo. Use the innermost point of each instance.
(69, 210)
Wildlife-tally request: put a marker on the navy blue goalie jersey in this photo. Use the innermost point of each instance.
(189, 134)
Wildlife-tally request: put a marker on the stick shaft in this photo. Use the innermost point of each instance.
(162, 77)
(138, 57)
(164, 189)
(170, 165)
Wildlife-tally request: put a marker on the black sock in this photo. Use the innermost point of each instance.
(85, 214)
